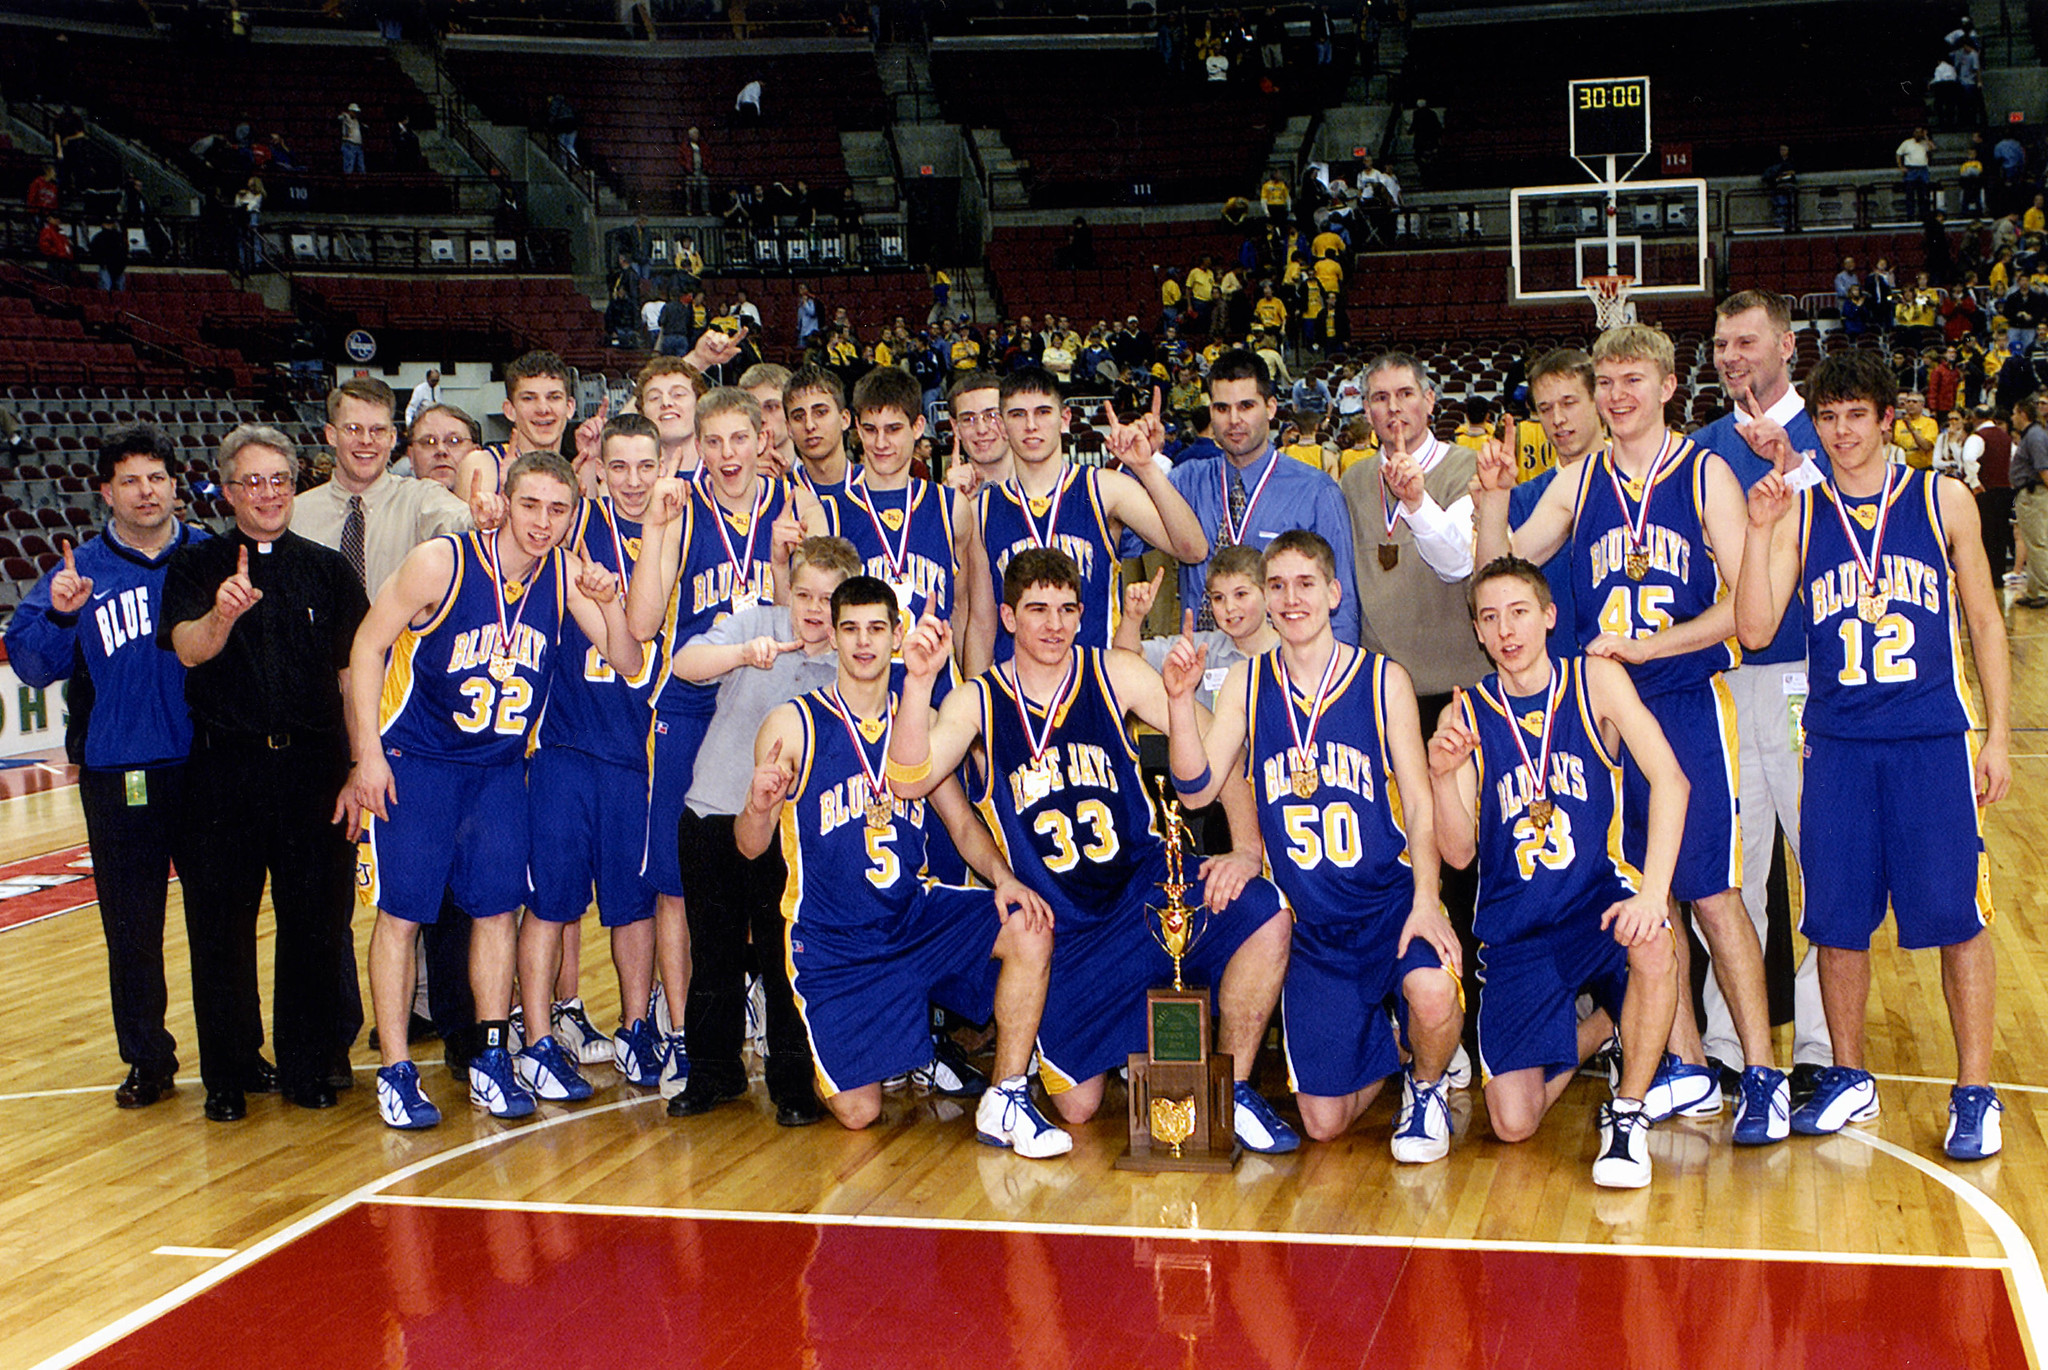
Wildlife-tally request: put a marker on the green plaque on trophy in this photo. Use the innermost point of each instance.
(1177, 1030)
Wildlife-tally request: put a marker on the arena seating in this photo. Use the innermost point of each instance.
(169, 94)
(1805, 264)
(1501, 86)
(633, 115)
(1129, 259)
(1093, 124)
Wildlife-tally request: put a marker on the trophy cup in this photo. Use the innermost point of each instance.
(1182, 1113)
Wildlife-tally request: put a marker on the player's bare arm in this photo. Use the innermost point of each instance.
(1769, 570)
(977, 847)
(1201, 759)
(419, 584)
(1454, 785)
(1624, 722)
(924, 749)
(778, 750)
(1411, 777)
(1980, 608)
(664, 530)
(600, 611)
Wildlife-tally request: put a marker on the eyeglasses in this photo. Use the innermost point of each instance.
(454, 443)
(978, 418)
(382, 432)
(256, 485)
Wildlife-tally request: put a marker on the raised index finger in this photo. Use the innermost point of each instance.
(65, 544)
(242, 561)
(1187, 622)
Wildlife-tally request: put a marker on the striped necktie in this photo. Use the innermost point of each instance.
(352, 539)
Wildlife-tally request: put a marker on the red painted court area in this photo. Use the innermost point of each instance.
(45, 886)
(404, 1285)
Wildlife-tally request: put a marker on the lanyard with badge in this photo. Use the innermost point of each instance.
(1036, 781)
(896, 559)
(744, 597)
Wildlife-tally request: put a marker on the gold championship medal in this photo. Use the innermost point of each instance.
(501, 667)
(1305, 782)
(1636, 564)
(1302, 760)
(1390, 556)
(1871, 599)
(1540, 811)
(1870, 605)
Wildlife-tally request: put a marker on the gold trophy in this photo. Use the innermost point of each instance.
(1181, 1090)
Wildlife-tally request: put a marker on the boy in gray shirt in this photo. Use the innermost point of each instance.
(760, 657)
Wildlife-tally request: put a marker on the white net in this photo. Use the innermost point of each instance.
(1611, 304)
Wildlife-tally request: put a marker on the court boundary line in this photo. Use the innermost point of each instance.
(1191, 1234)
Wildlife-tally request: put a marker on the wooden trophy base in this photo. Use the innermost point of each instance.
(1213, 1148)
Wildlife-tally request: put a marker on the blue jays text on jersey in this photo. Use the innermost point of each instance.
(443, 692)
(1072, 519)
(844, 870)
(724, 554)
(590, 706)
(904, 537)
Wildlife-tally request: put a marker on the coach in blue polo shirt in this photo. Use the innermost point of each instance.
(1252, 493)
(92, 621)
(1753, 350)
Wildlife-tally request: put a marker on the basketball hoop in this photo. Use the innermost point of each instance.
(1609, 294)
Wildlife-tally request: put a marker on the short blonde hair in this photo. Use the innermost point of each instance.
(827, 554)
(1636, 342)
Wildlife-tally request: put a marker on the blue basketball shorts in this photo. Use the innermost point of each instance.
(677, 736)
(1343, 980)
(588, 817)
(1529, 989)
(453, 827)
(864, 992)
(1103, 964)
(1699, 723)
(1892, 821)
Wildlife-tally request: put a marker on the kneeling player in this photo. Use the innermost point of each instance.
(446, 677)
(1881, 557)
(1059, 784)
(1527, 775)
(1328, 737)
(868, 942)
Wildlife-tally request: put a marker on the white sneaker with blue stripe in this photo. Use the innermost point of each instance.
(1973, 1123)
(1006, 1116)
(636, 1054)
(578, 1035)
(1680, 1089)
(400, 1101)
(1258, 1127)
(1425, 1131)
(675, 1066)
(547, 1070)
(1843, 1096)
(1763, 1109)
(494, 1085)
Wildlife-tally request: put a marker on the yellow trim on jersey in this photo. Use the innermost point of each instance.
(786, 822)
(1953, 611)
(1724, 706)
(1098, 663)
(1987, 913)
(827, 1086)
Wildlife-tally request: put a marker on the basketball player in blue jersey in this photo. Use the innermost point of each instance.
(665, 393)
(447, 675)
(1058, 783)
(1328, 737)
(814, 407)
(902, 526)
(1527, 777)
(538, 405)
(587, 790)
(1880, 559)
(868, 942)
(1050, 501)
(715, 543)
(1651, 520)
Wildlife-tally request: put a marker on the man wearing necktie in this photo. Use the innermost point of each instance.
(374, 517)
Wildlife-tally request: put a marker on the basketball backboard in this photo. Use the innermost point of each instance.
(1653, 231)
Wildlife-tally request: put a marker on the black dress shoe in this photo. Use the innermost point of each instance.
(143, 1088)
(702, 1094)
(226, 1106)
(799, 1113)
(261, 1079)
(315, 1095)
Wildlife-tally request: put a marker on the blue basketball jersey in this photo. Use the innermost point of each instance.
(1075, 822)
(1901, 676)
(440, 696)
(1011, 523)
(904, 537)
(1681, 581)
(1339, 853)
(590, 706)
(1534, 875)
(842, 873)
(718, 561)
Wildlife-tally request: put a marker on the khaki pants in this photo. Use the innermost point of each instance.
(2031, 505)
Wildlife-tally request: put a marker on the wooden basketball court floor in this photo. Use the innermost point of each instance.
(606, 1231)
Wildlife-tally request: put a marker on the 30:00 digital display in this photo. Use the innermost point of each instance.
(1610, 117)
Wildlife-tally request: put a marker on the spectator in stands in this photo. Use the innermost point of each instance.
(109, 252)
(43, 196)
(1913, 158)
(678, 326)
(78, 624)
(621, 317)
(1994, 489)
(2024, 309)
(1914, 430)
(424, 395)
(1959, 310)
(53, 245)
(2009, 155)
(1970, 178)
(746, 106)
(1274, 195)
(246, 213)
(1271, 36)
(2030, 498)
(1311, 395)
(351, 121)
(436, 442)
(1942, 93)
(1883, 295)
(1944, 384)
(1078, 252)
(1170, 299)
(1856, 320)
(1781, 178)
(1201, 291)
(563, 125)
(405, 146)
(696, 173)
(1379, 196)
(1969, 65)
(1322, 33)
(1845, 279)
